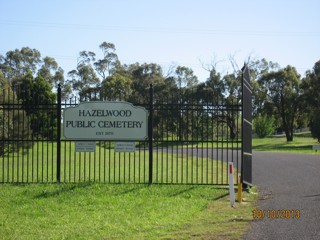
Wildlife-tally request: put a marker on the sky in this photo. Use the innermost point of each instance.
(191, 33)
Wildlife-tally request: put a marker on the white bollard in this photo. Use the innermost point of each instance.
(231, 184)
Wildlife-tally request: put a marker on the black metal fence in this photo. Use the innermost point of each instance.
(191, 140)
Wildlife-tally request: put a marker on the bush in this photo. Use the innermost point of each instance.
(263, 125)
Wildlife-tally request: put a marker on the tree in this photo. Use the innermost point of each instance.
(18, 62)
(29, 80)
(282, 90)
(224, 90)
(117, 87)
(185, 77)
(54, 75)
(34, 92)
(215, 85)
(142, 76)
(311, 96)
(263, 125)
(311, 86)
(108, 64)
(13, 123)
(83, 78)
(315, 126)
(257, 69)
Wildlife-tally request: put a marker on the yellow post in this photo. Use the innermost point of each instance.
(239, 198)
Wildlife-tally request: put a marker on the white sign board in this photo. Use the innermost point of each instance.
(316, 147)
(105, 121)
(86, 146)
(124, 147)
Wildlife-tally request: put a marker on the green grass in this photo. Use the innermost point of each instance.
(126, 211)
(280, 144)
(38, 164)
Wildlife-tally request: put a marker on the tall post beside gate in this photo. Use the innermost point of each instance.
(150, 134)
(59, 135)
(246, 161)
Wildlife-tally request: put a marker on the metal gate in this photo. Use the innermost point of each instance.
(192, 138)
(246, 171)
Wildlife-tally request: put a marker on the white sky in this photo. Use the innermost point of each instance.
(180, 32)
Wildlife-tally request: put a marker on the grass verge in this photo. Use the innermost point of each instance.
(280, 144)
(129, 211)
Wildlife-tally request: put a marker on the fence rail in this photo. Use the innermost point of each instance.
(191, 140)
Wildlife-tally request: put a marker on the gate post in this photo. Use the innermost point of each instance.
(59, 134)
(246, 145)
(150, 134)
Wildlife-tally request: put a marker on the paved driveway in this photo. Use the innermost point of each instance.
(287, 182)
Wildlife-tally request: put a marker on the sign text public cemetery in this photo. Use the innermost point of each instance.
(105, 121)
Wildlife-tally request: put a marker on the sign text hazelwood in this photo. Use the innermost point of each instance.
(105, 121)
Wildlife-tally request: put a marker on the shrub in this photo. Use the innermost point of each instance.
(263, 125)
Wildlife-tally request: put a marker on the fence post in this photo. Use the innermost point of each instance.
(150, 134)
(246, 141)
(59, 135)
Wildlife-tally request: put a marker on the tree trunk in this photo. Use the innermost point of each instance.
(289, 133)
(232, 128)
(289, 138)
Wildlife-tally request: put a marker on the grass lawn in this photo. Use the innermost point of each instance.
(39, 164)
(126, 211)
(280, 144)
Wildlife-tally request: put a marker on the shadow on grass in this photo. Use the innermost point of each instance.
(64, 188)
(194, 189)
(184, 191)
(132, 189)
(187, 190)
(220, 197)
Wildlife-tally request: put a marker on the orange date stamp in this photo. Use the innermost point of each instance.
(276, 214)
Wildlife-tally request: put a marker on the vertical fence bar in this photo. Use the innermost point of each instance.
(150, 134)
(3, 133)
(13, 134)
(18, 139)
(59, 135)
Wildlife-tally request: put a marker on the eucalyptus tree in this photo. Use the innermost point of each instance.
(310, 86)
(31, 80)
(108, 64)
(185, 77)
(186, 82)
(19, 62)
(94, 77)
(142, 76)
(13, 124)
(34, 92)
(54, 75)
(227, 89)
(221, 90)
(116, 87)
(257, 69)
(84, 79)
(282, 89)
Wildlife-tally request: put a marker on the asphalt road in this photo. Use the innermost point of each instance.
(287, 182)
